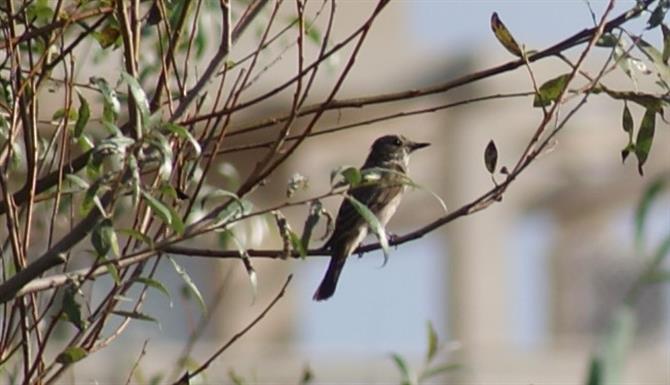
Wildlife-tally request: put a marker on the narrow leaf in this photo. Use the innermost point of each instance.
(176, 222)
(662, 252)
(627, 120)
(656, 57)
(111, 104)
(657, 276)
(651, 193)
(617, 343)
(156, 285)
(158, 208)
(437, 370)
(595, 372)
(504, 36)
(657, 15)
(551, 90)
(75, 180)
(104, 239)
(401, 364)
(184, 134)
(190, 285)
(72, 309)
(71, 355)
(137, 235)
(666, 43)
(135, 315)
(352, 175)
(645, 137)
(138, 94)
(83, 115)
(374, 224)
(296, 244)
(491, 157)
(432, 342)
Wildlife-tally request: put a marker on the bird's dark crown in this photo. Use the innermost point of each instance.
(395, 143)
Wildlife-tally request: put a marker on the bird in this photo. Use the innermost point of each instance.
(389, 155)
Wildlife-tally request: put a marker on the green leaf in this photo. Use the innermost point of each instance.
(235, 378)
(40, 12)
(184, 134)
(307, 376)
(373, 223)
(491, 157)
(662, 251)
(158, 208)
(657, 15)
(138, 236)
(72, 309)
(113, 271)
(190, 285)
(111, 104)
(617, 343)
(163, 146)
(109, 35)
(135, 315)
(645, 137)
(651, 193)
(175, 221)
(627, 120)
(666, 43)
(595, 372)
(103, 238)
(403, 179)
(313, 34)
(156, 285)
(437, 370)
(504, 36)
(607, 40)
(657, 276)
(296, 243)
(60, 114)
(352, 175)
(244, 256)
(349, 174)
(77, 181)
(551, 90)
(138, 94)
(432, 342)
(71, 355)
(83, 115)
(405, 373)
(656, 57)
(234, 210)
(91, 198)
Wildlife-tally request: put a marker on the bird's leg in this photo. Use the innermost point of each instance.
(393, 238)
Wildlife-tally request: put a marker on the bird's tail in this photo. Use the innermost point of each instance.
(329, 283)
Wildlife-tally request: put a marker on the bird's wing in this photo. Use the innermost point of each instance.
(349, 220)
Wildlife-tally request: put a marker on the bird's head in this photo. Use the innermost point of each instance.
(390, 148)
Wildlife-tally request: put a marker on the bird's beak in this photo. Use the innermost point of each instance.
(413, 146)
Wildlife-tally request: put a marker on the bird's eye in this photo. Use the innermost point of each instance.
(397, 142)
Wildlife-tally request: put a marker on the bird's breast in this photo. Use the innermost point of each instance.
(387, 211)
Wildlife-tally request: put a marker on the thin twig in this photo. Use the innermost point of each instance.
(187, 376)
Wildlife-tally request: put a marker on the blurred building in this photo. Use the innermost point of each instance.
(526, 288)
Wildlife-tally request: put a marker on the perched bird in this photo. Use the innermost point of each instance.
(390, 152)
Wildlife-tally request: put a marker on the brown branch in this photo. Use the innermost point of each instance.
(47, 29)
(576, 39)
